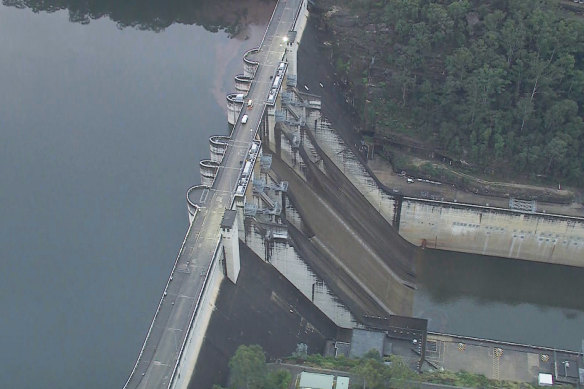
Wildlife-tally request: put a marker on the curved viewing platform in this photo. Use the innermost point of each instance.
(249, 57)
(196, 195)
(217, 146)
(250, 64)
(243, 78)
(235, 98)
(242, 83)
(208, 170)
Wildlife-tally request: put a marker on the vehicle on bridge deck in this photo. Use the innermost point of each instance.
(250, 104)
(244, 119)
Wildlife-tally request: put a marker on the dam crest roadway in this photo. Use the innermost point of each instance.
(169, 353)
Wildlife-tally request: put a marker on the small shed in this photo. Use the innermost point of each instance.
(315, 381)
(545, 379)
(342, 383)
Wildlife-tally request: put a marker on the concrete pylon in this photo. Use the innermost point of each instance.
(230, 235)
(292, 55)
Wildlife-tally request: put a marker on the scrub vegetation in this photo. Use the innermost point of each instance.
(496, 86)
(248, 369)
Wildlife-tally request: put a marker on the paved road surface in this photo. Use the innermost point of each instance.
(168, 332)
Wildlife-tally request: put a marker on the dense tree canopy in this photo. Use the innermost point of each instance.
(496, 83)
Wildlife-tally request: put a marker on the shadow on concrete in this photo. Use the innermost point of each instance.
(263, 308)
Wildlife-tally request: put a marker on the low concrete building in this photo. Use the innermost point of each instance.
(364, 341)
(342, 383)
(322, 381)
(315, 381)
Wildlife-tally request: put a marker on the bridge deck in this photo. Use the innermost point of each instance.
(158, 358)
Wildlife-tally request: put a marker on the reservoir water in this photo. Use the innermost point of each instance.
(102, 125)
(101, 132)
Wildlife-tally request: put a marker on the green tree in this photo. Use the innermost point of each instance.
(491, 82)
(372, 354)
(555, 150)
(248, 368)
(399, 370)
(373, 372)
(279, 379)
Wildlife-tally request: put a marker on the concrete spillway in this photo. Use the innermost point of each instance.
(357, 266)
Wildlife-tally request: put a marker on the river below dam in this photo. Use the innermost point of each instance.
(104, 114)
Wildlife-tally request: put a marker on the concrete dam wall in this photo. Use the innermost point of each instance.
(289, 262)
(371, 264)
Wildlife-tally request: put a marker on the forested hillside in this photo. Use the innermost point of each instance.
(498, 84)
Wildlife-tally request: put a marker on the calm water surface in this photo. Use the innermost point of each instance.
(101, 130)
(504, 299)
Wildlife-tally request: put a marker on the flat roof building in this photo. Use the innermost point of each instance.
(322, 381)
(342, 383)
(315, 381)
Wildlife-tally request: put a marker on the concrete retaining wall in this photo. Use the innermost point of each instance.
(334, 147)
(462, 227)
(491, 231)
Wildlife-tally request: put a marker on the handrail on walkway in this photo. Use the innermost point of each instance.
(194, 314)
(158, 308)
